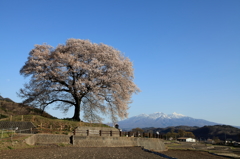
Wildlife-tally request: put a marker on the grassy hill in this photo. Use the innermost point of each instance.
(5, 99)
(46, 123)
(8, 107)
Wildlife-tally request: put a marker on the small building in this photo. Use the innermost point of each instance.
(229, 141)
(186, 139)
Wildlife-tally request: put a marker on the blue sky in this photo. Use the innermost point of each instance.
(186, 54)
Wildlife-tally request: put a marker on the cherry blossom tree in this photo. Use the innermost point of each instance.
(92, 78)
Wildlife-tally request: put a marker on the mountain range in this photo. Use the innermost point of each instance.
(162, 120)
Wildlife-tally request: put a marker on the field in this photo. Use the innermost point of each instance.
(48, 152)
(201, 149)
(16, 148)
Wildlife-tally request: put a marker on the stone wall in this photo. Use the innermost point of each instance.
(20, 125)
(97, 141)
(31, 140)
(48, 139)
(91, 141)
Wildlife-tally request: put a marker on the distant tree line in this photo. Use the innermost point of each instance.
(216, 132)
(174, 135)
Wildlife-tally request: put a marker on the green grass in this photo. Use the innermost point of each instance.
(16, 142)
(9, 147)
(62, 144)
(5, 134)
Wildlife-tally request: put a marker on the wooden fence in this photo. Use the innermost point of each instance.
(141, 134)
(116, 133)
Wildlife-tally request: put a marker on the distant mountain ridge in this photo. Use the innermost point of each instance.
(162, 120)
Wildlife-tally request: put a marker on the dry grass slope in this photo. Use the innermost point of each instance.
(11, 111)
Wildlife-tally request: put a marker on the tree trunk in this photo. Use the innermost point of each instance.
(42, 112)
(76, 115)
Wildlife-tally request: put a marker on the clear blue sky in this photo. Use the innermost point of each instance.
(186, 53)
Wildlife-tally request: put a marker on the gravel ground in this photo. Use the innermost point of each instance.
(47, 152)
(77, 152)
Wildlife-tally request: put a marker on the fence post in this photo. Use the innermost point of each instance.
(111, 133)
(100, 132)
(87, 132)
(12, 135)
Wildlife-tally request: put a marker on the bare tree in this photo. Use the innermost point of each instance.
(93, 78)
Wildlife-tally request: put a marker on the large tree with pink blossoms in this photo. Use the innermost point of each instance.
(93, 78)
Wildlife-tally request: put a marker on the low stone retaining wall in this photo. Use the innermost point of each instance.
(97, 141)
(48, 139)
(92, 141)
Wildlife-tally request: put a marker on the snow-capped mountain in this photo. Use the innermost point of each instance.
(162, 120)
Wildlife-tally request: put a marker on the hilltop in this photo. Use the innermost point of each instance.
(9, 107)
(5, 99)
